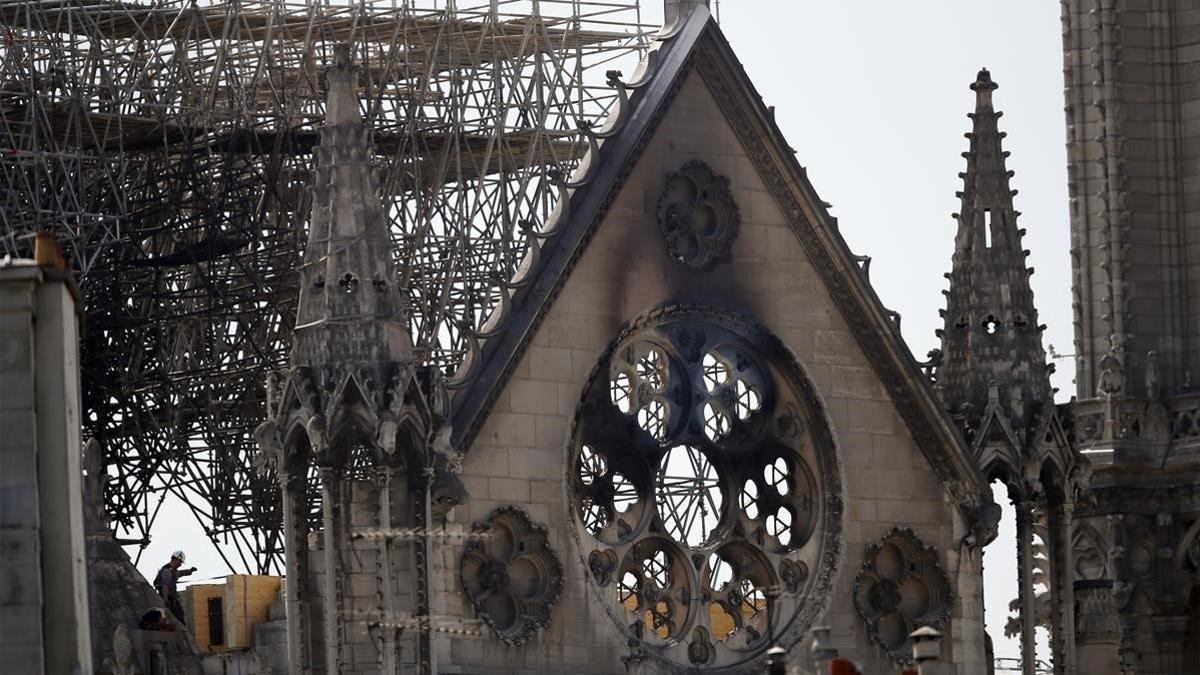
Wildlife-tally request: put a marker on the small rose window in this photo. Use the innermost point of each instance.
(698, 216)
(512, 577)
(900, 588)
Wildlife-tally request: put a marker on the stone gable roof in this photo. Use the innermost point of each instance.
(696, 43)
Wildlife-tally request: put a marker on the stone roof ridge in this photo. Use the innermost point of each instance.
(554, 246)
(991, 338)
(351, 308)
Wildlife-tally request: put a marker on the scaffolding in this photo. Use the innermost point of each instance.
(168, 145)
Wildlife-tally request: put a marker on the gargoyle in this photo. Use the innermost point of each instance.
(985, 523)
(447, 489)
(270, 448)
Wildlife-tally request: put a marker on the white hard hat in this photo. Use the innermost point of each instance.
(179, 554)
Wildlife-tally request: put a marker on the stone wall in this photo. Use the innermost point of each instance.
(43, 589)
(1132, 75)
(360, 578)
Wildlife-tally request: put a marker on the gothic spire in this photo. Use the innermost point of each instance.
(351, 309)
(991, 340)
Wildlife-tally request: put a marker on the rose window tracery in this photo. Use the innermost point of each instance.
(901, 587)
(704, 488)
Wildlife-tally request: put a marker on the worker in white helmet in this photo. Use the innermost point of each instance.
(167, 580)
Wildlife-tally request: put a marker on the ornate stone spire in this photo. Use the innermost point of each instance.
(991, 343)
(351, 309)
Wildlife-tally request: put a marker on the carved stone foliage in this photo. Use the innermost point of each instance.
(900, 588)
(698, 216)
(512, 577)
(704, 489)
(1096, 611)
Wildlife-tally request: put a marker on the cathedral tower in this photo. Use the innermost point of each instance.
(1132, 86)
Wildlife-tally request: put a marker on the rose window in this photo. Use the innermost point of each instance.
(704, 487)
(901, 587)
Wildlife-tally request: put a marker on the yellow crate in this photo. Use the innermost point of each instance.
(248, 599)
(195, 608)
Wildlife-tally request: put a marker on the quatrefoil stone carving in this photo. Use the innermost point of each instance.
(512, 577)
(698, 216)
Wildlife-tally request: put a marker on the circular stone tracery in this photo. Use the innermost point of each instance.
(704, 486)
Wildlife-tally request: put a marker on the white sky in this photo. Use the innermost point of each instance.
(873, 95)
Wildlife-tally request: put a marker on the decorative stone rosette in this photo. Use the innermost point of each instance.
(698, 216)
(704, 489)
(901, 587)
(512, 577)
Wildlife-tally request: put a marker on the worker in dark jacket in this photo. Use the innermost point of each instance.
(166, 583)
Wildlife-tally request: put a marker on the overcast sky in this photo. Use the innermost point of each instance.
(873, 96)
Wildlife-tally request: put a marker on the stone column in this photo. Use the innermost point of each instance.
(423, 547)
(1098, 631)
(1062, 587)
(1170, 634)
(295, 582)
(333, 603)
(1119, 564)
(1024, 509)
(387, 588)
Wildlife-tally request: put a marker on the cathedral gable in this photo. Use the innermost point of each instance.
(707, 287)
(692, 88)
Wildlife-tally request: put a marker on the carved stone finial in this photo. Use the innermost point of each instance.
(991, 339)
(343, 316)
(983, 81)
